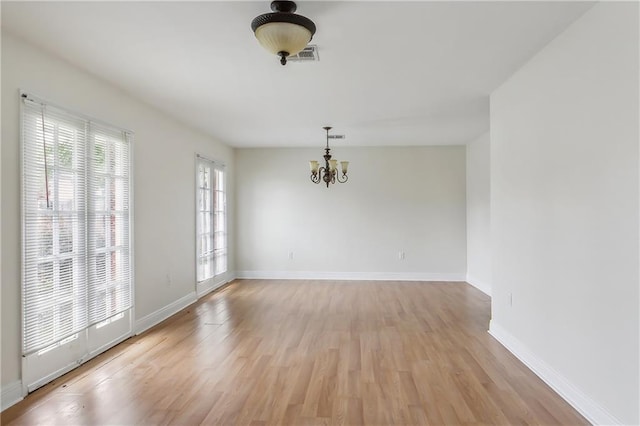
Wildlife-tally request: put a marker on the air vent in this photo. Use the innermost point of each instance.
(308, 54)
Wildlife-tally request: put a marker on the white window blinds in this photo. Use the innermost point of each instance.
(76, 223)
(109, 266)
(211, 220)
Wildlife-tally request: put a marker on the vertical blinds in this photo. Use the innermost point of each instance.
(76, 223)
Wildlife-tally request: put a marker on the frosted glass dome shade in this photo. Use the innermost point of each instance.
(283, 32)
(286, 37)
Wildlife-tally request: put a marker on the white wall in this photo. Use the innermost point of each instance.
(397, 199)
(564, 200)
(478, 213)
(164, 184)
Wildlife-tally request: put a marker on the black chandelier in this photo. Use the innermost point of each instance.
(329, 173)
(283, 32)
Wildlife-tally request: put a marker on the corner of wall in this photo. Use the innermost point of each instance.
(11, 394)
(480, 285)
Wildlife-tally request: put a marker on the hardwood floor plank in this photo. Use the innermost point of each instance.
(308, 352)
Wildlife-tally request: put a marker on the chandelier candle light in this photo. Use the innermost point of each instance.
(283, 32)
(329, 173)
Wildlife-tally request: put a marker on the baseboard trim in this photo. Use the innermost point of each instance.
(586, 406)
(38, 383)
(206, 287)
(480, 285)
(11, 394)
(148, 321)
(108, 346)
(348, 276)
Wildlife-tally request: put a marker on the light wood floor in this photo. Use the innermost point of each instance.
(308, 352)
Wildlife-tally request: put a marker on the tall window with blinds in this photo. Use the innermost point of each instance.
(211, 238)
(109, 265)
(76, 254)
(54, 205)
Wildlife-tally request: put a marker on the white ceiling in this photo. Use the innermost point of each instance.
(390, 73)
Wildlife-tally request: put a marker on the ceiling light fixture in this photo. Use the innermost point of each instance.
(329, 173)
(283, 32)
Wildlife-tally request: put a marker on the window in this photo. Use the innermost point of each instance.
(54, 210)
(109, 255)
(76, 225)
(211, 233)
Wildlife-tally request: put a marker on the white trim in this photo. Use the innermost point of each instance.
(360, 276)
(585, 405)
(205, 287)
(480, 285)
(11, 394)
(30, 387)
(109, 345)
(148, 321)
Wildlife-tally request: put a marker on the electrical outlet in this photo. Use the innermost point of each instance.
(401, 255)
(291, 255)
(510, 300)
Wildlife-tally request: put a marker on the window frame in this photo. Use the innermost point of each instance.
(90, 128)
(214, 167)
(55, 213)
